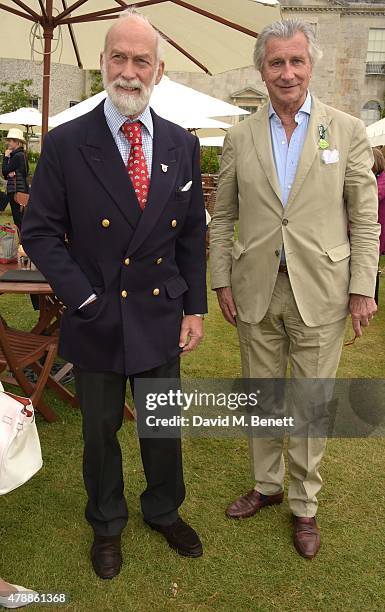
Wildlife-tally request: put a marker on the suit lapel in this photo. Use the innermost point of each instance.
(165, 164)
(102, 156)
(260, 129)
(318, 116)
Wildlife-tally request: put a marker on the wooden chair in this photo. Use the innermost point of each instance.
(20, 349)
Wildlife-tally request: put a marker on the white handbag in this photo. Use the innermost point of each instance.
(20, 451)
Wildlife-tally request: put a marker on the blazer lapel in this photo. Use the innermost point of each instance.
(102, 156)
(310, 149)
(165, 164)
(260, 129)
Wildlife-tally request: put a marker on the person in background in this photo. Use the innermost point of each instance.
(15, 171)
(379, 171)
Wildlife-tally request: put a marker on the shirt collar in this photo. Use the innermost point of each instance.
(115, 119)
(305, 108)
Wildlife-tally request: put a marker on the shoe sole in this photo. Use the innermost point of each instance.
(184, 553)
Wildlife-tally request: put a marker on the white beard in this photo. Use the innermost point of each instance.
(126, 103)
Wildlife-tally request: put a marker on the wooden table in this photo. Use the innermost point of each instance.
(10, 287)
(50, 307)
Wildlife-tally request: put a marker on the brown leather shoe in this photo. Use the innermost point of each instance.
(249, 504)
(106, 556)
(307, 539)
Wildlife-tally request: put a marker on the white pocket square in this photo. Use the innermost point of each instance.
(186, 187)
(330, 156)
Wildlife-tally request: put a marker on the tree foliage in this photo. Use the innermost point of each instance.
(15, 95)
(209, 160)
(96, 82)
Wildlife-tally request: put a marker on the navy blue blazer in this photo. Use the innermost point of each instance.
(84, 230)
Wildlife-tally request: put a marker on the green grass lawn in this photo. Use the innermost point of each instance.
(249, 565)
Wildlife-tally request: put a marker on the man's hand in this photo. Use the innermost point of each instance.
(7, 152)
(362, 309)
(226, 303)
(191, 333)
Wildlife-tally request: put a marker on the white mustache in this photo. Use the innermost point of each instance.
(133, 84)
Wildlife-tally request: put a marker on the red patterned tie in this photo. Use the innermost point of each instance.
(136, 164)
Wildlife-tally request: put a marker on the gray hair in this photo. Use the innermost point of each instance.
(132, 12)
(286, 29)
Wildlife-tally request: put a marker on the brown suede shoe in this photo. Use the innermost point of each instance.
(307, 539)
(249, 504)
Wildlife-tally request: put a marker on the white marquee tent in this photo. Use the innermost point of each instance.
(170, 100)
(376, 133)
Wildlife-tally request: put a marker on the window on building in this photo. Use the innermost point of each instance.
(249, 98)
(34, 103)
(73, 103)
(376, 46)
(371, 112)
(251, 109)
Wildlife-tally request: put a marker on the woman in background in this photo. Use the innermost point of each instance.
(15, 171)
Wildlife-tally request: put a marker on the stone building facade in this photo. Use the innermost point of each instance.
(68, 83)
(350, 76)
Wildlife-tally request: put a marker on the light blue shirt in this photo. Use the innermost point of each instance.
(115, 120)
(286, 156)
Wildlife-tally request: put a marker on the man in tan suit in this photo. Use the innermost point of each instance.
(295, 175)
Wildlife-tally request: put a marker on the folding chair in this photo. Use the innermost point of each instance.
(19, 349)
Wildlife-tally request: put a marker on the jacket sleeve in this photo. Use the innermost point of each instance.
(190, 253)
(224, 218)
(360, 193)
(11, 164)
(6, 166)
(45, 224)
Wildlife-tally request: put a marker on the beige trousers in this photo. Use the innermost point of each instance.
(267, 348)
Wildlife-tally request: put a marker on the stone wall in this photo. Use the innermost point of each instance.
(339, 79)
(67, 82)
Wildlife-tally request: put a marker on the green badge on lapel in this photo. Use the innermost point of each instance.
(322, 143)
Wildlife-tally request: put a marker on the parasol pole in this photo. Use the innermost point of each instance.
(48, 27)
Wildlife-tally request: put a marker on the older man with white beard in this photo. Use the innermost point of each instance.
(116, 223)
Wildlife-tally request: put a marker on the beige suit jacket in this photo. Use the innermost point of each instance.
(325, 263)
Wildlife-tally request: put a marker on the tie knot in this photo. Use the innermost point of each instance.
(132, 132)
